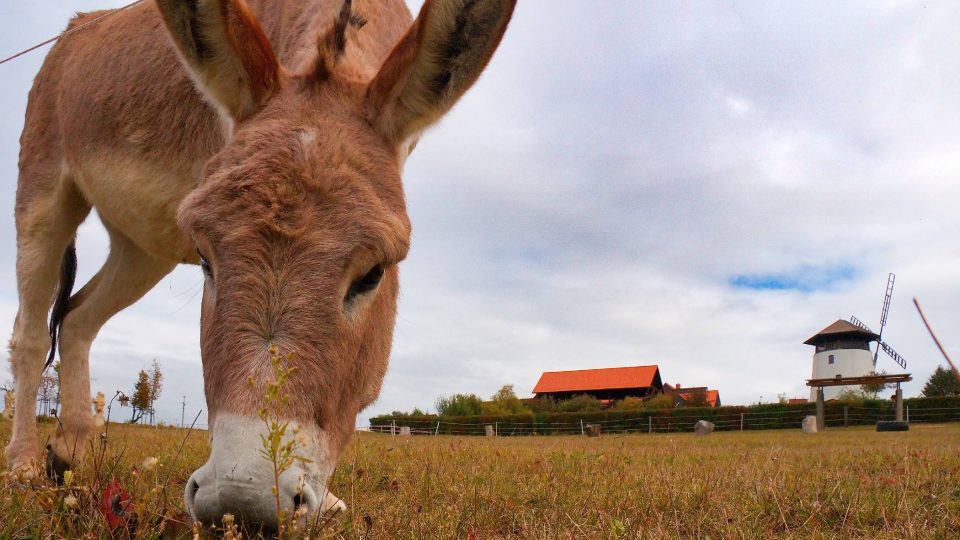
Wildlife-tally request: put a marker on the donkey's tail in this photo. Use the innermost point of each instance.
(61, 304)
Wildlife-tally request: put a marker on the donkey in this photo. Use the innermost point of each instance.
(263, 140)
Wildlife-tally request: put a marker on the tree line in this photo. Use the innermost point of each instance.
(505, 402)
(942, 383)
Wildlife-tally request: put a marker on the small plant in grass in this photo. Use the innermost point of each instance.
(277, 448)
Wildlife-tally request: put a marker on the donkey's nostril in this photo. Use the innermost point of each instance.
(194, 487)
(190, 495)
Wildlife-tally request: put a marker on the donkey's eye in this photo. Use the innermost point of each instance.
(205, 265)
(366, 283)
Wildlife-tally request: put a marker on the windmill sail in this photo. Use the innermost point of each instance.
(893, 354)
(859, 323)
(883, 314)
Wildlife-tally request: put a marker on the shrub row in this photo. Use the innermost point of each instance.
(764, 416)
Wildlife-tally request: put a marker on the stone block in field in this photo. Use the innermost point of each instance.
(809, 424)
(702, 427)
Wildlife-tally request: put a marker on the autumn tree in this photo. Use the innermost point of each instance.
(504, 401)
(156, 386)
(140, 400)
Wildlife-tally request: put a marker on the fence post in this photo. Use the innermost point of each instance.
(899, 409)
(496, 431)
(821, 417)
(846, 419)
(741, 421)
(908, 414)
(650, 424)
(437, 432)
(393, 427)
(581, 426)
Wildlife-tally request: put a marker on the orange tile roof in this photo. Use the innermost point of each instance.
(596, 379)
(710, 397)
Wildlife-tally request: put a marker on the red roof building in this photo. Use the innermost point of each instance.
(693, 396)
(604, 383)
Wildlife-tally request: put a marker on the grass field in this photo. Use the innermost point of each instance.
(766, 484)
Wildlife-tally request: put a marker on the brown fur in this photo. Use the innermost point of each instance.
(291, 194)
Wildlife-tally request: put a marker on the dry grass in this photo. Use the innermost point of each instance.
(770, 484)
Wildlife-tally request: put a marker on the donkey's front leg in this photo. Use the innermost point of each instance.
(28, 348)
(38, 264)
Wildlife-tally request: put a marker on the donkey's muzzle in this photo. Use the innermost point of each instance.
(239, 480)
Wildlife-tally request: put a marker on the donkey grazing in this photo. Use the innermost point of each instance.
(264, 141)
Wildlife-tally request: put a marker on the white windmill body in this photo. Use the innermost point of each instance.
(841, 350)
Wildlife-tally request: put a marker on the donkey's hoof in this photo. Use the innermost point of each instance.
(25, 472)
(56, 466)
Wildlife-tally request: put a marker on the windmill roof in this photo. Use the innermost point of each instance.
(839, 328)
(597, 379)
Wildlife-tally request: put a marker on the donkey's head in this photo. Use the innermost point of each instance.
(299, 224)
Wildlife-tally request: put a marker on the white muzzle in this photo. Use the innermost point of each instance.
(239, 477)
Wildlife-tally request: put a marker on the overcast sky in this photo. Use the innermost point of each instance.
(697, 185)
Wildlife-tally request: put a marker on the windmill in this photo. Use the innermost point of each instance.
(883, 323)
(842, 351)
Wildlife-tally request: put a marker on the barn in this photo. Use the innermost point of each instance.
(603, 384)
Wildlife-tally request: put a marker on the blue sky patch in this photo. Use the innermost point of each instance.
(804, 279)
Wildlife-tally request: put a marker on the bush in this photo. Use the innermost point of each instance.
(629, 404)
(661, 401)
(853, 395)
(580, 403)
(542, 404)
(459, 405)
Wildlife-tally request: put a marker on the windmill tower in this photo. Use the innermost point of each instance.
(843, 349)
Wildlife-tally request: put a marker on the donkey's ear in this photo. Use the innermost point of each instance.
(435, 63)
(226, 52)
